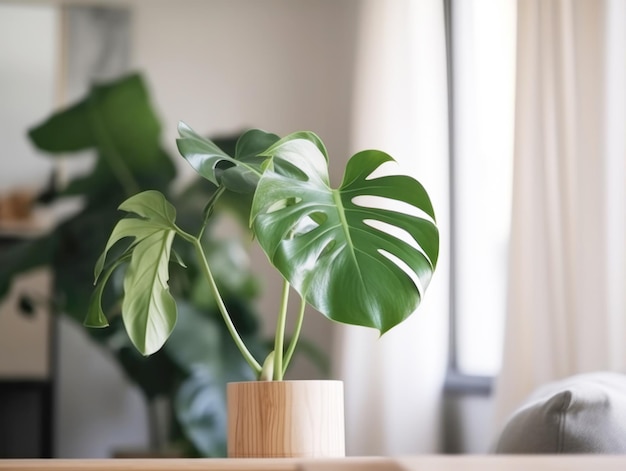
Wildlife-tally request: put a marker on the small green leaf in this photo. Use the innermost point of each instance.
(157, 214)
(148, 308)
(240, 173)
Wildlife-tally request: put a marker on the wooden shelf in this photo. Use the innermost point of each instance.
(151, 465)
(416, 463)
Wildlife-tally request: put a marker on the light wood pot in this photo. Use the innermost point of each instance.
(275, 419)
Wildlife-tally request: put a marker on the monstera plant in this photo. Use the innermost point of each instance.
(360, 254)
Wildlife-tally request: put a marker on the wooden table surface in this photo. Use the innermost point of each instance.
(413, 463)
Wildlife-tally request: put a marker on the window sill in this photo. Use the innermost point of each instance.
(463, 384)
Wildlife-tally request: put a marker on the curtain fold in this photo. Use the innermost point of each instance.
(566, 303)
(393, 384)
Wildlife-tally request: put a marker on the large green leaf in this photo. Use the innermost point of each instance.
(111, 108)
(116, 119)
(148, 308)
(353, 259)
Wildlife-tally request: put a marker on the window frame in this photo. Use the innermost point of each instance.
(456, 381)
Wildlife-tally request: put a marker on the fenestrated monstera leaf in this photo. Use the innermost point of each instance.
(148, 308)
(353, 260)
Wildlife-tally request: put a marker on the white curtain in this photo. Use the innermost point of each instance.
(566, 305)
(393, 384)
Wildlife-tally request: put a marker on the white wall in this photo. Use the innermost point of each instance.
(222, 65)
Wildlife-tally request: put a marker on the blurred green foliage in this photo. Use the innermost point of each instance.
(117, 121)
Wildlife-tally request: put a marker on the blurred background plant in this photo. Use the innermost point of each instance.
(190, 372)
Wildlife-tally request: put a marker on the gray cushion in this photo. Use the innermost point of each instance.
(581, 414)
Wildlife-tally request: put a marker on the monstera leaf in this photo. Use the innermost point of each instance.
(239, 173)
(355, 253)
(352, 259)
(148, 308)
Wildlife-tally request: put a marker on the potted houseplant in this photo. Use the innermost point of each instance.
(360, 254)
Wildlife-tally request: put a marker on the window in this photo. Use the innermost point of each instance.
(482, 87)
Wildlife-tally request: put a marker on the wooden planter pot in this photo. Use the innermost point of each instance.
(276, 419)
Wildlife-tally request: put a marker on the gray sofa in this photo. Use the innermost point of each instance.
(581, 414)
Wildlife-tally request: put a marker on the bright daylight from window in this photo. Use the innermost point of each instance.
(484, 83)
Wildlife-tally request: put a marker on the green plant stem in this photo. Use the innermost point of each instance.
(294, 337)
(256, 367)
(279, 340)
(208, 209)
